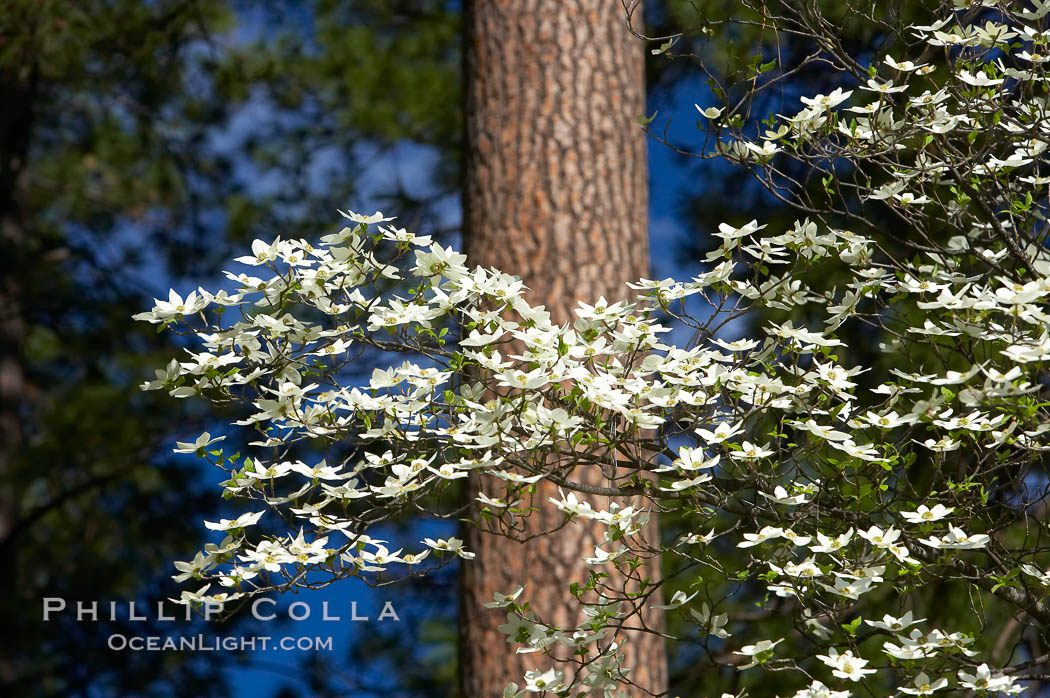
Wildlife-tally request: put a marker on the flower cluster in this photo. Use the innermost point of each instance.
(834, 494)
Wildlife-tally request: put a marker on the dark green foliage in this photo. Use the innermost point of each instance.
(141, 142)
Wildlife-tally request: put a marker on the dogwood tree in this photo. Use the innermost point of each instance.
(826, 514)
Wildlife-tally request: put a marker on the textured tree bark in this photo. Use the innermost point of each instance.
(556, 192)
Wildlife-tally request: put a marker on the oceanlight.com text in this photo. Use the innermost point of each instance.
(213, 643)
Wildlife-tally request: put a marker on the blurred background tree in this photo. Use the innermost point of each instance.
(556, 190)
(139, 143)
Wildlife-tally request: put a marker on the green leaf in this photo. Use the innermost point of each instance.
(645, 120)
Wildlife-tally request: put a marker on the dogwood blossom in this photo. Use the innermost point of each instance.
(846, 665)
(925, 514)
(923, 686)
(984, 679)
(758, 653)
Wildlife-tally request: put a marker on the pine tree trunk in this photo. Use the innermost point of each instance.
(556, 192)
